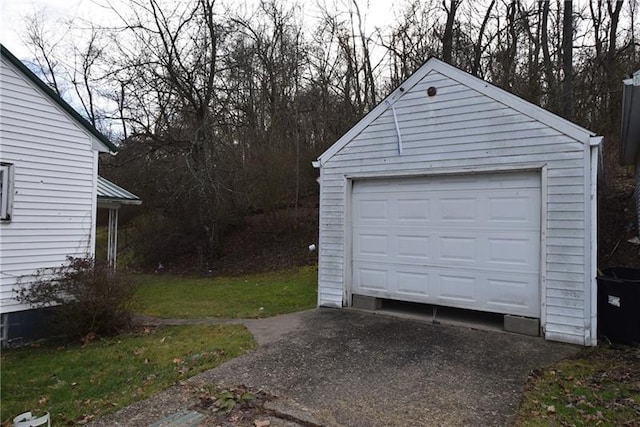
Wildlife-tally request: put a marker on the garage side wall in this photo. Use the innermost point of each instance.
(460, 129)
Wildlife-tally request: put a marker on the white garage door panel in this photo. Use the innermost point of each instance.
(470, 242)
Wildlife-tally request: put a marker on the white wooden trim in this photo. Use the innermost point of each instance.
(7, 192)
(543, 248)
(449, 171)
(320, 239)
(595, 140)
(595, 153)
(587, 246)
(347, 283)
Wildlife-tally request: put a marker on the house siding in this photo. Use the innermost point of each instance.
(457, 130)
(54, 170)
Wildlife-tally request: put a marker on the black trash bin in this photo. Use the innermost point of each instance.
(619, 305)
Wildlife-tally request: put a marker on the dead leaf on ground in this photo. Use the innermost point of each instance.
(84, 419)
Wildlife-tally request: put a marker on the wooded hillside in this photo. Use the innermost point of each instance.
(219, 110)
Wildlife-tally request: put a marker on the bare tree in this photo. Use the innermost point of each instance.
(567, 60)
(221, 110)
(549, 69)
(72, 67)
(447, 35)
(479, 45)
(43, 43)
(412, 40)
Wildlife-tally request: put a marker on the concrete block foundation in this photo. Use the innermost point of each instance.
(366, 303)
(522, 325)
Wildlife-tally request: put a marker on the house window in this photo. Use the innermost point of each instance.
(6, 188)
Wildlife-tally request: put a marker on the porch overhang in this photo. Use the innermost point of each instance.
(112, 197)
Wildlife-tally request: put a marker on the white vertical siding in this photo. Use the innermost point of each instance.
(54, 194)
(458, 129)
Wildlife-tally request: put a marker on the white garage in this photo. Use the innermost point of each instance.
(452, 192)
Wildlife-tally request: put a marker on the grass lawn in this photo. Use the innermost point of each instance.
(254, 296)
(76, 383)
(599, 386)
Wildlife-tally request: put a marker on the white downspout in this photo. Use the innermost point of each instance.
(395, 121)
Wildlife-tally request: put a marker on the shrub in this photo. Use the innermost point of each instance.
(86, 296)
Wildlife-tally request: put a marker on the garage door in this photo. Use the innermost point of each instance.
(467, 241)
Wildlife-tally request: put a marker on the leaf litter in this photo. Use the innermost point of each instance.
(598, 386)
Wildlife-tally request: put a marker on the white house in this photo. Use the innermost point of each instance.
(453, 192)
(48, 183)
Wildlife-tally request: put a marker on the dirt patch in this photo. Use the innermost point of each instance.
(234, 406)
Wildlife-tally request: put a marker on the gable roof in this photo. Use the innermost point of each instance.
(5, 53)
(433, 64)
(630, 131)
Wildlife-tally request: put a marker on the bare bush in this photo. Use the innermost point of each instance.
(86, 297)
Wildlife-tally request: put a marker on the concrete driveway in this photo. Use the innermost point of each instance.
(350, 368)
(363, 369)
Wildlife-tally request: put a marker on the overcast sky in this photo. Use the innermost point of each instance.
(13, 13)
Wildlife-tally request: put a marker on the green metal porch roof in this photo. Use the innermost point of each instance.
(110, 192)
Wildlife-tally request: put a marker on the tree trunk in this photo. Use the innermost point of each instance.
(567, 60)
(478, 48)
(447, 36)
(546, 55)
